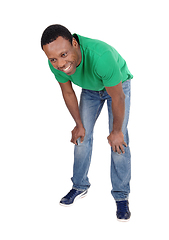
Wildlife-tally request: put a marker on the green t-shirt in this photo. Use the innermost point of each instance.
(101, 66)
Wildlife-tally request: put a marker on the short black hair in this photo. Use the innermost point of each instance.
(52, 32)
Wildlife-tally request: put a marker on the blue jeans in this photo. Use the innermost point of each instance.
(90, 106)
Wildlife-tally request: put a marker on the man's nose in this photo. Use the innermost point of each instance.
(61, 63)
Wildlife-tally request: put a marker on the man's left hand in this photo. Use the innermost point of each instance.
(116, 141)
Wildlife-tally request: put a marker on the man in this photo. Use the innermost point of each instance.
(103, 75)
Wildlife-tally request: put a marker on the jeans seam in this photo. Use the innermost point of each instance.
(97, 113)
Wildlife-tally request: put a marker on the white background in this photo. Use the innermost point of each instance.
(36, 156)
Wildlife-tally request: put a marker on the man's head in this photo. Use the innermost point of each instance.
(61, 48)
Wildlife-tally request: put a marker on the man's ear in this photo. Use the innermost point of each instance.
(74, 42)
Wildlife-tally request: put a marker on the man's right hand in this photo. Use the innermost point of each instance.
(78, 132)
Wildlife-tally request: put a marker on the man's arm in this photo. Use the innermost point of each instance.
(116, 138)
(72, 105)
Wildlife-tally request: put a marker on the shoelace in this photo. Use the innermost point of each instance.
(71, 193)
(122, 206)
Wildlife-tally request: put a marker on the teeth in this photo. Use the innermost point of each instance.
(66, 68)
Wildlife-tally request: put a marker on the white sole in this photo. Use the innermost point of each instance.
(123, 220)
(82, 195)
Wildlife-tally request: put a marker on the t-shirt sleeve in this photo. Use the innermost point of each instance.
(108, 69)
(58, 75)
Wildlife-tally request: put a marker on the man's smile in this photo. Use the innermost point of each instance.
(66, 68)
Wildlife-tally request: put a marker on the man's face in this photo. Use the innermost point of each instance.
(62, 55)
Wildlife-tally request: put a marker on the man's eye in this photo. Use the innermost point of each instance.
(64, 55)
(53, 60)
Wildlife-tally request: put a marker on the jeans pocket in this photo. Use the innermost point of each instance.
(126, 86)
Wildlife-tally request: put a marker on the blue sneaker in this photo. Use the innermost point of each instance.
(123, 212)
(73, 195)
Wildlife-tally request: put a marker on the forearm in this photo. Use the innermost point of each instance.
(118, 109)
(116, 138)
(72, 105)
